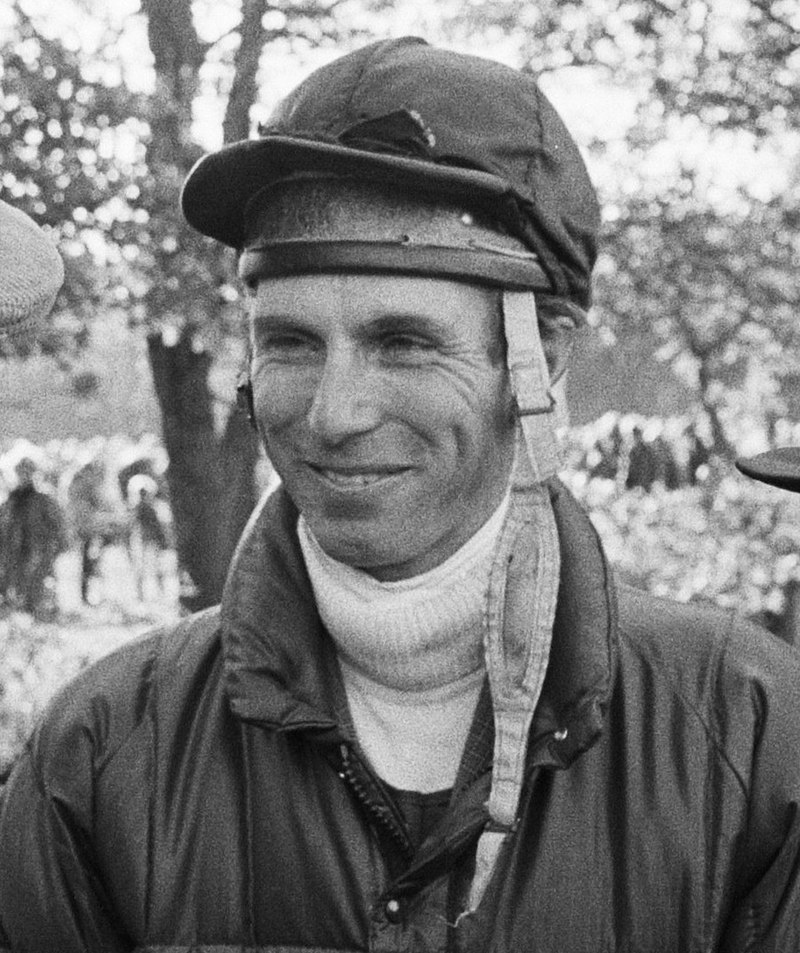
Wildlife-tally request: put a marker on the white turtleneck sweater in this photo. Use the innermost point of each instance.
(411, 655)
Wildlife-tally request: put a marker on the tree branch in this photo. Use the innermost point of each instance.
(765, 8)
(236, 124)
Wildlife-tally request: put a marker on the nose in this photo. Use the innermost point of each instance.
(345, 399)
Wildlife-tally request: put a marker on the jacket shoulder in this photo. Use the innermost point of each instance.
(694, 635)
(96, 714)
(740, 681)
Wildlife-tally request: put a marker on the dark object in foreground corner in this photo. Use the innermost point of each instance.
(779, 468)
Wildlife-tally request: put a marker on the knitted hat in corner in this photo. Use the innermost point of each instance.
(31, 274)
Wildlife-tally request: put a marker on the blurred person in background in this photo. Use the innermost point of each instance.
(147, 538)
(698, 456)
(98, 519)
(425, 717)
(32, 534)
(642, 462)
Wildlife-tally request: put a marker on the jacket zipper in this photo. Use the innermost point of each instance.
(356, 776)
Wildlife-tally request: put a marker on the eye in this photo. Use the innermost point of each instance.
(286, 345)
(405, 347)
(406, 341)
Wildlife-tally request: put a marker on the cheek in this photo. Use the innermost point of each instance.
(465, 388)
(473, 415)
(280, 396)
(484, 400)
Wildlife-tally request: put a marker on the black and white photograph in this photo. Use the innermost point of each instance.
(399, 476)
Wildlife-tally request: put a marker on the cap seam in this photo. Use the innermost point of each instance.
(534, 159)
(551, 269)
(358, 80)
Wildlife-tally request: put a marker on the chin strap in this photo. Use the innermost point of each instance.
(523, 587)
(530, 383)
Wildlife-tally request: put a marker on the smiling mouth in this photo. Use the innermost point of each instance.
(355, 479)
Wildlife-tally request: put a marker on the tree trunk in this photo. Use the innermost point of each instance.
(719, 439)
(210, 478)
(236, 124)
(180, 377)
(238, 454)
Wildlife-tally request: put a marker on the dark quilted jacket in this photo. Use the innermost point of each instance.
(201, 790)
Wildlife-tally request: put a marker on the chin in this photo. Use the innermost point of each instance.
(357, 549)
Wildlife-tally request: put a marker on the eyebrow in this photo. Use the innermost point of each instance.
(387, 321)
(406, 321)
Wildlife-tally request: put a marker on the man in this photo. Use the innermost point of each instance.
(97, 519)
(32, 534)
(642, 463)
(424, 718)
(147, 536)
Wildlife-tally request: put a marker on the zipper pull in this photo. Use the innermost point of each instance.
(344, 751)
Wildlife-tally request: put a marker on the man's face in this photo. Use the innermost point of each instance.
(385, 408)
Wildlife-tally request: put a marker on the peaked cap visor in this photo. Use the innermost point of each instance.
(221, 184)
(779, 468)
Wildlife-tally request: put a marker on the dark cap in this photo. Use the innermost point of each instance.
(777, 467)
(420, 118)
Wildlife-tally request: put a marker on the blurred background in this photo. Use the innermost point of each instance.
(687, 115)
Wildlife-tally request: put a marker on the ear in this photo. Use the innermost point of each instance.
(244, 397)
(557, 334)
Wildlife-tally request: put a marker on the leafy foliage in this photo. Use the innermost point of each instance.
(699, 185)
(71, 157)
(733, 543)
(703, 257)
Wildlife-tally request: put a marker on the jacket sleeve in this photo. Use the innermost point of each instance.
(766, 917)
(51, 894)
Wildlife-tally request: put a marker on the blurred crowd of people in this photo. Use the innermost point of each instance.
(89, 496)
(85, 497)
(638, 452)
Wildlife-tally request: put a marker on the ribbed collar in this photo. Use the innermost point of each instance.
(415, 634)
(281, 667)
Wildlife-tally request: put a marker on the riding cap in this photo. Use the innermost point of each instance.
(412, 116)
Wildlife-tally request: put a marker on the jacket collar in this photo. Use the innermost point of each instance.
(281, 667)
(583, 655)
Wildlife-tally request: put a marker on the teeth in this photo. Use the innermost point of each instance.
(352, 479)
